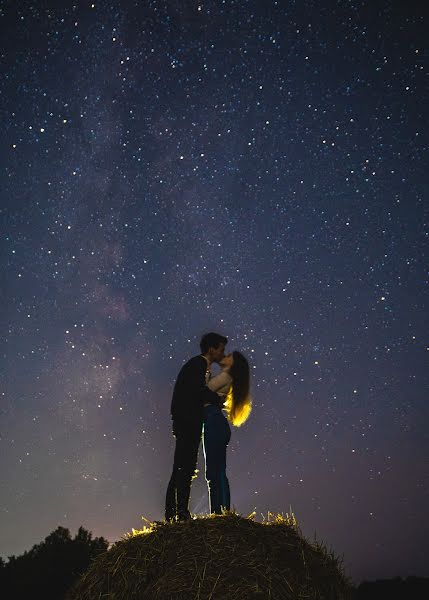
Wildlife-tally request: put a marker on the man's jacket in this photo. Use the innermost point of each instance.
(191, 392)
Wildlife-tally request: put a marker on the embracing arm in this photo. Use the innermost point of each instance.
(220, 382)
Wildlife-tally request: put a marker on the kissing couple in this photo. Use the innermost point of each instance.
(197, 409)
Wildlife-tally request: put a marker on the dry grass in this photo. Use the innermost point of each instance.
(225, 557)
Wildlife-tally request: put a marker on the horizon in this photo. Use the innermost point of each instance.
(146, 529)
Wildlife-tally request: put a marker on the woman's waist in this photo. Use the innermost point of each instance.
(212, 409)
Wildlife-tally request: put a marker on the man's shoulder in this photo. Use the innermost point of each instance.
(197, 360)
(192, 368)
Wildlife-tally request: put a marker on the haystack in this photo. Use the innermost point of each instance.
(224, 557)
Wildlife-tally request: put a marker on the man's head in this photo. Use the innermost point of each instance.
(213, 346)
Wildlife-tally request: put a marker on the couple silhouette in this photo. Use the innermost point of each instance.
(204, 406)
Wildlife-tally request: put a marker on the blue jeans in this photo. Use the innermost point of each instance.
(216, 436)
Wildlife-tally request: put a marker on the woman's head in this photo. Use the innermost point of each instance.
(239, 403)
(227, 361)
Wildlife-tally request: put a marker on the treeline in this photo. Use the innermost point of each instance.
(50, 568)
(411, 588)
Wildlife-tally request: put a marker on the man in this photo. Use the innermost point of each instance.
(189, 396)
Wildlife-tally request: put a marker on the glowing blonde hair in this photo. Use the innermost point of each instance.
(237, 413)
(238, 403)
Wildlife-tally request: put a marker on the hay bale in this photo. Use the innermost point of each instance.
(217, 558)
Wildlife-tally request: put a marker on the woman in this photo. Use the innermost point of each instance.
(232, 387)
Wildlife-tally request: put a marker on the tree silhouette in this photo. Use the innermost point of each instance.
(411, 588)
(51, 567)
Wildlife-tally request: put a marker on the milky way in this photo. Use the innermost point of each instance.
(253, 168)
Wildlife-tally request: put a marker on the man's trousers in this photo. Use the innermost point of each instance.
(188, 436)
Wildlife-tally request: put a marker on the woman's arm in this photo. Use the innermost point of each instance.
(220, 381)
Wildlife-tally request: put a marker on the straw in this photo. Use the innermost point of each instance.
(218, 557)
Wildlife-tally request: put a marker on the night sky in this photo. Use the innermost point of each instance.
(254, 168)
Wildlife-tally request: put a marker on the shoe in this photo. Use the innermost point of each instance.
(170, 518)
(182, 517)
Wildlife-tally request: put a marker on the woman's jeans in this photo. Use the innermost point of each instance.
(217, 434)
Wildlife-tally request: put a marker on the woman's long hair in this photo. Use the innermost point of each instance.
(238, 403)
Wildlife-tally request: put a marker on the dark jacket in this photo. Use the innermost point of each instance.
(191, 392)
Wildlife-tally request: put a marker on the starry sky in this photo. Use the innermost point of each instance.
(254, 168)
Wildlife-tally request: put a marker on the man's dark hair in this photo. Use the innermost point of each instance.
(212, 340)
